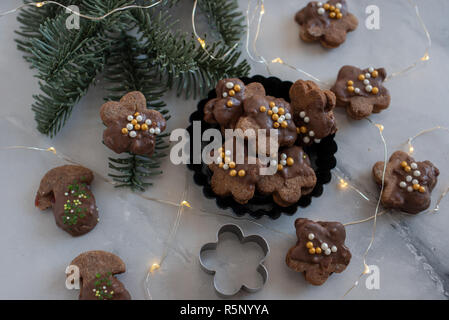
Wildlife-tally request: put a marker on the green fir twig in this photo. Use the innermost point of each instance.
(137, 50)
(128, 70)
(180, 61)
(225, 18)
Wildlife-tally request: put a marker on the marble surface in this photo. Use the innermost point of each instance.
(410, 251)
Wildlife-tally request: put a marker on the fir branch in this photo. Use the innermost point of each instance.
(60, 94)
(224, 18)
(127, 70)
(66, 73)
(59, 48)
(180, 61)
(68, 62)
(165, 3)
(32, 18)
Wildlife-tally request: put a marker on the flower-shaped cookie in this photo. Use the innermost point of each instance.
(408, 184)
(231, 178)
(313, 111)
(361, 92)
(294, 178)
(131, 127)
(326, 22)
(97, 270)
(265, 112)
(227, 107)
(320, 250)
(66, 190)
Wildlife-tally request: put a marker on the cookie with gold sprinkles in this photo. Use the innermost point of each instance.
(227, 107)
(313, 112)
(361, 91)
(326, 22)
(294, 177)
(131, 127)
(235, 172)
(408, 183)
(319, 251)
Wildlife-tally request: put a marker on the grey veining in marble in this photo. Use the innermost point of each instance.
(410, 251)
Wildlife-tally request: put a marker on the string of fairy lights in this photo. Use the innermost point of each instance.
(203, 42)
(75, 12)
(252, 15)
(342, 184)
(68, 9)
(260, 10)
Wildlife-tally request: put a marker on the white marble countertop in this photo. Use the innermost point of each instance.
(410, 251)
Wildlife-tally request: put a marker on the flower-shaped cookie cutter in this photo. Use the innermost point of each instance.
(261, 269)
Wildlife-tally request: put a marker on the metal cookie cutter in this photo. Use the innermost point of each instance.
(232, 228)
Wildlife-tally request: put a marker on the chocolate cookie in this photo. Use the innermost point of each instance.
(361, 92)
(131, 127)
(232, 177)
(326, 22)
(320, 250)
(408, 184)
(67, 190)
(265, 112)
(312, 111)
(294, 178)
(97, 270)
(227, 107)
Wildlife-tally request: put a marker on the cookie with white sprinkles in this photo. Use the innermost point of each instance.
(131, 127)
(326, 22)
(227, 107)
(408, 183)
(269, 113)
(361, 92)
(313, 112)
(319, 251)
(235, 172)
(294, 178)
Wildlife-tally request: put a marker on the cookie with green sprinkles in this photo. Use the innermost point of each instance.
(66, 189)
(97, 270)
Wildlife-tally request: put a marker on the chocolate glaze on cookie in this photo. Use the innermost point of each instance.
(312, 111)
(320, 250)
(233, 178)
(361, 92)
(227, 107)
(104, 287)
(300, 165)
(266, 112)
(97, 274)
(408, 183)
(326, 22)
(67, 190)
(294, 178)
(131, 127)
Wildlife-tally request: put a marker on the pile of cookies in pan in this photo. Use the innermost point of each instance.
(304, 121)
